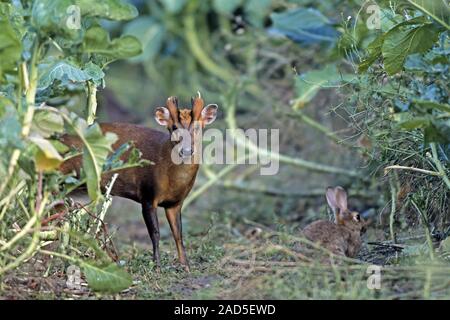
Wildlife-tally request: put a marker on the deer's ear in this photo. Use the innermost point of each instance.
(209, 113)
(162, 116)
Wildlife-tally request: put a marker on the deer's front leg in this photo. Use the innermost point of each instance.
(151, 221)
(173, 215)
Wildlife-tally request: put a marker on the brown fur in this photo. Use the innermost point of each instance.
(342, 237)
(162, 184)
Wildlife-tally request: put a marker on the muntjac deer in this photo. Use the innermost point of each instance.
(165, 183)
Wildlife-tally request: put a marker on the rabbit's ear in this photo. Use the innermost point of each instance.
(341, 198)
(331, 199)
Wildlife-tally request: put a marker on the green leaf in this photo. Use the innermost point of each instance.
(97, 41)
(173, 6)
(308, 84)
(66, 71)
(47, 123)
(389, 19)
(93, 71)
(108, 9)
(257, 11)
(306, 25)
(403, 41)
(438, 131)
(439, 10)
(95, 153)
(54, 17)
(46, 157)
(109, 278)
(10, 127)
(431, 105)
(414, 123)
(59, 146)
(150, 33)
(61, 70)
(226, 7)
(373, 53)
(10, 47)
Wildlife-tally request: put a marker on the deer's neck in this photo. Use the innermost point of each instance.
(184, 172)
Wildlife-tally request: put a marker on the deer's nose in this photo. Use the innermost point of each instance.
(186, 151)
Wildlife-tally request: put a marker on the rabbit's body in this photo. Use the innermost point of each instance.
(339, 239)
(342, 237)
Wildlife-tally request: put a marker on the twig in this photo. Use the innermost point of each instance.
(393, 210)
(106, 203)
(396, 167)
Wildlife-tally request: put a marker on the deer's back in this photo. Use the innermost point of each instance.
(132, 183)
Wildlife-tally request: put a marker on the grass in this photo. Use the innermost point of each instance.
(255, 262)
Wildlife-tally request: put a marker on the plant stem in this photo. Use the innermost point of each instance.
(196, 48)
(30, 86)
(438, 165)
(424, 221)
(241, 140)
(91, 102)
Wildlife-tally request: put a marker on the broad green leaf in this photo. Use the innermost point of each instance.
(47, 123)
(61, 70)
(10, 46)
(226, 7)
(414, 123)
(173, 6)
(257, 11)
(66, 71)
(431, 105)
(304, 25)
(93, 71)
(374, 48)
(439, 10)
(151, 35)
(403, 41)
(373, 53)
(95, 153)
(10, 127)
(107, 9)
(56, 17)
(389, 19)
(15, 14)
(46, 157)
(5, 103)
(126, 155)
(97, 41)
(438, 131)
(59, 146)
(308, 84)
(110, 278)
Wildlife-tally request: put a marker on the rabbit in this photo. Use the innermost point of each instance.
(342, 237)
